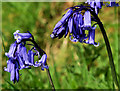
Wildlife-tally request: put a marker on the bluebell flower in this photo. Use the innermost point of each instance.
(20, 59)
(16, 61)
(19, 36)
(23, 53)
(112, 4)
(42, 62)
(13, 68)
(90, 39)
(11, 52)
(96, 4)
(76, 22)
(64, 19)
(61, 28)
(14, 72)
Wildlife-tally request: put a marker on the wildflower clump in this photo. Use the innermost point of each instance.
(20, 59)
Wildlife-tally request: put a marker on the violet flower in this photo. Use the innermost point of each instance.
(11, 52)
(19, 36)
(76, 22)
(19, 58)
(96, 4)
(61, 28)
(13, 68)
(87, 19)
(41, 63)
(112, 4)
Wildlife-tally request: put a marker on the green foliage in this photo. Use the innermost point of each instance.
(72, 65)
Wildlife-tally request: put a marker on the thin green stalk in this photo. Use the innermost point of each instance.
(112, 65)
(41, 53)
(50, 79)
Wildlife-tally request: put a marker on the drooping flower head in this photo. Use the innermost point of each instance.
(19, 58)
(77, 22)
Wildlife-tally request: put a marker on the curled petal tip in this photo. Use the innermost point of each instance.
(5, 69)
(17, 31)
(47, 67)
(52, 35)
(96, 45)
(74, 39)
(6, 53)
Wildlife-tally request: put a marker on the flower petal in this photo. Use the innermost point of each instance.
(80, 20)
(42, 62)
(8, 69)
(19, 36)
(24, 55)
(64, 19)
(87, 19)
(11, 52)
(91, 36)
(21, 62)
(70, 24)
(17, 74)
(112, 4)
(67, 30)
(61, 29)
(43, 59)
(12, 77)
(99, 4)
(31, 57)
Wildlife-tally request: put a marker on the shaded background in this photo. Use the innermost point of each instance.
(72, 65)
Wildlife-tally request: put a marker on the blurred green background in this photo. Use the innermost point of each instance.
(72, 65)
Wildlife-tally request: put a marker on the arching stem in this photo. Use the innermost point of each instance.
(41, 53)
(112, 65)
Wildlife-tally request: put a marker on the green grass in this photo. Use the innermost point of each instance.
(72, 65)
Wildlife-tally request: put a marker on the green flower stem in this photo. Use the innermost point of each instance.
(50, 79)
(112, 65)
(41, 53)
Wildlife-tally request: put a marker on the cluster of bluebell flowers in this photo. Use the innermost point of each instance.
(97, 4)
(20, 59)
(77, 21)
